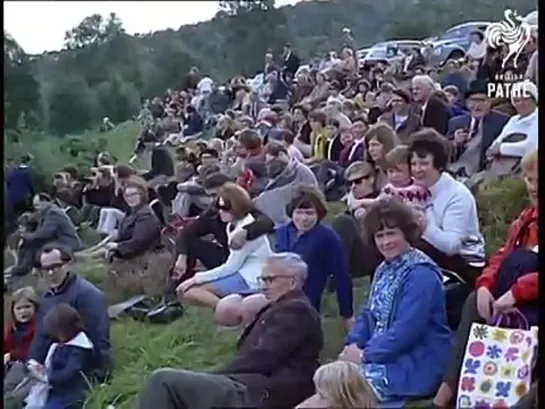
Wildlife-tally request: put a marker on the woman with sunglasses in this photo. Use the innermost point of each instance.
(238, 275)
(362, 258)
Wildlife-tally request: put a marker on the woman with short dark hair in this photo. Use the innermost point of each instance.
(451, 236)
(401, 334)
(319, 246)
(138, 261)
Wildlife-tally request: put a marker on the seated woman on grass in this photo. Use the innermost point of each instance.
(137, 261)
(319, 246)
(401, 334)
(509, 280)
(238, 275)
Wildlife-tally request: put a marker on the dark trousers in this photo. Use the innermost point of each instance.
(453, 263)
(519, 263)
(363, 258)
(528, 401)
(323, 172)
(209, 253)
(507, 275)
(168, 193)
(181, 389)
(28, 257)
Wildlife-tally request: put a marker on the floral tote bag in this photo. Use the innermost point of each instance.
(497, 366)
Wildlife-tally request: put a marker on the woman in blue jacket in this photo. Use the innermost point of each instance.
(319, 246)
(401, 334)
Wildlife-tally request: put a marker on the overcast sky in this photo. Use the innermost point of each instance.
(40, 26)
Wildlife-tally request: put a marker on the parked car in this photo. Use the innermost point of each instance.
(389, 51)
(362, 53)
(455, 42)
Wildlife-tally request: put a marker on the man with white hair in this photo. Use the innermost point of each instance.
(520, 134)
(275, 360)
(434, 113)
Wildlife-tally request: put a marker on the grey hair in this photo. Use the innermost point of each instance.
(424, 79)
(291, 262)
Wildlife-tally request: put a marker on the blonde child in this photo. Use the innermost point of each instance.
(18, 334)
(19, 331)
(340, 384)
(400, 182)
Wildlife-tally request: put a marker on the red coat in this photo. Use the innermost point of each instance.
(525, 289)
(18, 352)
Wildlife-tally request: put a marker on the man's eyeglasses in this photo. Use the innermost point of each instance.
(50, 268)
(359, 180)
(270, 279)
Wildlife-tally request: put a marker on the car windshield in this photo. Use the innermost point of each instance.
(382, 52)
(457, 33)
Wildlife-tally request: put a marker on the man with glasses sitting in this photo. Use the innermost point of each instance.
(276, 357)
(362, 258)
(65, 286)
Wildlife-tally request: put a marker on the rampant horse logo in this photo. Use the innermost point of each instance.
(513, 32)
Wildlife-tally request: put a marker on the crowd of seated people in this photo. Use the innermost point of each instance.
(248, 207)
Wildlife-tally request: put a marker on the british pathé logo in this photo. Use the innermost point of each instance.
(513, 32)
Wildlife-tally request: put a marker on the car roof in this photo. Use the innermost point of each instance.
(383, 44)
(470, 24)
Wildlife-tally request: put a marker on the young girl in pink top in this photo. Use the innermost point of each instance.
(400, 182)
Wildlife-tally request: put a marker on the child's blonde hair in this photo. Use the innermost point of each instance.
(342, 385)
(399, 155)
(22, 294)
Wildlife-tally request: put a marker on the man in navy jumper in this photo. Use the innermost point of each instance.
(20, 188)
(88, 300)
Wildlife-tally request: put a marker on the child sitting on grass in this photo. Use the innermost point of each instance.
(62, 381)
(18, 334)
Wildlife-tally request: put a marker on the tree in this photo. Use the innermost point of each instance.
(236, 7)
(93, 30)
(20, 86)
(244, 19)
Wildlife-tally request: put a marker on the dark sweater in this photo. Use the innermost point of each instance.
(66, 375)
(19, 185)
(101, 196)
(209, 222)
(322, 250)
(92, 306)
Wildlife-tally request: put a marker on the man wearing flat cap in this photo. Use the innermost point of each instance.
(473, 133)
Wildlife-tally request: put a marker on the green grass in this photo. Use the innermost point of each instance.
(192, 342)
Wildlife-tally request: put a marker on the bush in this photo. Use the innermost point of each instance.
(52, 153)
(499, 204)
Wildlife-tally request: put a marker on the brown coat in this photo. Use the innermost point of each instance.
(278, 352)
(139, 232)
(412, 124)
